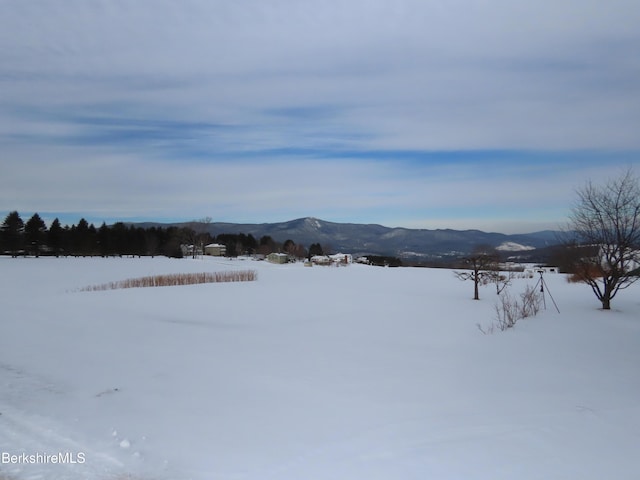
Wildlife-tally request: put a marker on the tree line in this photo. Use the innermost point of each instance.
(34, 238)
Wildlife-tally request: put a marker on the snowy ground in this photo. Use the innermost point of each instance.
(308, 373)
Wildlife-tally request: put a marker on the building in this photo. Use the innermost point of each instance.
(215, 250)
(278, 258)
(336, 259)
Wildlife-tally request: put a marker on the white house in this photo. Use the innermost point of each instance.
(215, 249)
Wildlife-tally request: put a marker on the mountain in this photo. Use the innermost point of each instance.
(363, 239)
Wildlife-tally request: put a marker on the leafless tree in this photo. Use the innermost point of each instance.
(481, 265)
(501, 279)
(604, 226)
(197, 232)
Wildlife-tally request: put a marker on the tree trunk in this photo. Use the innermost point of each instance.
(607, 294)
(476, 295)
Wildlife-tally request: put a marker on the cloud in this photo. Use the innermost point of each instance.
(390, 112)
(415, 74)
(444, 192)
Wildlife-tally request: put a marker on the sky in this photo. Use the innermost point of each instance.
(464, 114)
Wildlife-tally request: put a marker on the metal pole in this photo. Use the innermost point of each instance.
(541, 282)
(554, 302)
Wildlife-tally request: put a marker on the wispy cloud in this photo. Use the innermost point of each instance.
(362, 111)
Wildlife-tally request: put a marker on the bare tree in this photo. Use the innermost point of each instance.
(197, 233)
(500, 279)
(604, 226)
(482, 265)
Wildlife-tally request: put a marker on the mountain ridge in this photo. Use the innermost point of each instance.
(375, 239)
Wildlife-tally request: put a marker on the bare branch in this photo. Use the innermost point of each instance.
(606, 226)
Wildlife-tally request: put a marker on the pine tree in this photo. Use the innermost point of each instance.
(83, 238)
(35, 231)
(104, 240)
(54, 237)
(12, 233)
(315, 249)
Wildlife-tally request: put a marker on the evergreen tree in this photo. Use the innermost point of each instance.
(171, 246)
(54, 237)
(83, 238)
(137, 241)
(267, 245)
(104, 240)
(315, 249)
(153, 240)
(12, 233)
(119, 238)
(35, 232)
(251, 244)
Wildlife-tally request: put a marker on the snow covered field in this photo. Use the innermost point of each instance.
(308, 373)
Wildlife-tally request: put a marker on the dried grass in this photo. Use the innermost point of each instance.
(176, 279)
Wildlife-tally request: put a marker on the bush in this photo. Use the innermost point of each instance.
(509, 310)
(531, 301)
(589, 271)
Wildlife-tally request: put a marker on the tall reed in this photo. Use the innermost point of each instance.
(176, 279)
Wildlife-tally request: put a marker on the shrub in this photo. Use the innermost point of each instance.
(589, 271)
(509, 310)
(531, 300)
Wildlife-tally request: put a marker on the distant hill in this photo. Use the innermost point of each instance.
(406, 243)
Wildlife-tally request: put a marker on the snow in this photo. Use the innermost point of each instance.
(513, 247)
(314, 373)
(313, 222)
